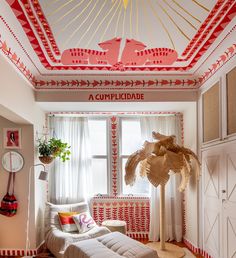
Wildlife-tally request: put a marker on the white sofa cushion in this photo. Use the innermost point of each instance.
(112, 245)
(51, 213)
(57, 240)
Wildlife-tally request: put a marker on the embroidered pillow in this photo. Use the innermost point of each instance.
(67, 221)
(84, 222)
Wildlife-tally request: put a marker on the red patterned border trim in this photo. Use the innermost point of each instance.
(13, 34)
(17, 252)
(138, 235)
(136, 213)
(219, 44)
(117, 113)
(138, 84)
(40, 32)
(19, 13)
(193, 248)
(123, 198)
(183, 199)
(205, 254)
(114, 156)
(182, 126)
(46, 26)
(216, 32)
(16, 60)
(117, 84)
(222, 60)
(195, 39)
(196, 250)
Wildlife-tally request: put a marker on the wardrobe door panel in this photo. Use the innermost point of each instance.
(231, 104)
(212, 203)
(229, 203)
(211, 113)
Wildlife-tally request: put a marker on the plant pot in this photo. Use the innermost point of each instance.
(46, 159)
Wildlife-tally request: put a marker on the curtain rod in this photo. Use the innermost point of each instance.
(101, 113)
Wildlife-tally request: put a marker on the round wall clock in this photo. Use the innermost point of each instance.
(12, 161)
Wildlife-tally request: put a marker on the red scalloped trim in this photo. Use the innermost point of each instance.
(13, 34)
(19, 13)
(114, 151)
(202, 28)
(17, 252)
(196, 250)
(222, 60)
(217, 31)
(137, 84)
(115, 84)
(46, 26)
(16, 60)
(136, 213)
(40, 32)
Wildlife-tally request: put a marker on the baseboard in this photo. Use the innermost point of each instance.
(137, 235)
(195, 249)
(22, 252)
(17, 252)
(191, 246)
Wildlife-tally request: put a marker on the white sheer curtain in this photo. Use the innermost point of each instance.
(70, 182)
(167, 125)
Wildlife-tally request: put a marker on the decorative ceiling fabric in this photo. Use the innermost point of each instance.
(54, 42)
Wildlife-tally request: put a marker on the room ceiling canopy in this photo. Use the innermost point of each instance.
(69, 39)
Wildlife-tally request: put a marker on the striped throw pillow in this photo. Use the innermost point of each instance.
(67, 222)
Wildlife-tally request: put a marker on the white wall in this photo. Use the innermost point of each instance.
(18, 99)
(17, 103)
(16, 224)
(191, 192)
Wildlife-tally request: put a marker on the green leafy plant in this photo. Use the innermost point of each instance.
(54, 148)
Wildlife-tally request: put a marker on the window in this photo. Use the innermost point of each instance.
(131, 141)
(98, 134)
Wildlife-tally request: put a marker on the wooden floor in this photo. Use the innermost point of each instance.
(46, 253)
(180, 244)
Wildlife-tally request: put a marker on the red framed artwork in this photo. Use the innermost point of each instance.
(12, 138)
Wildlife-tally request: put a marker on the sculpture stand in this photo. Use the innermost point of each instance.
(165, 250)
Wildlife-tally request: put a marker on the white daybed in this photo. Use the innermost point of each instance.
(112, 245)
(56, 240)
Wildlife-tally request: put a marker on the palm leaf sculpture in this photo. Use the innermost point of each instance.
(157, 159)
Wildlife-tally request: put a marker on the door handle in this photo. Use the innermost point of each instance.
(224, 199)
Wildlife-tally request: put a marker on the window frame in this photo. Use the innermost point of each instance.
(107, 156)
(121, 157)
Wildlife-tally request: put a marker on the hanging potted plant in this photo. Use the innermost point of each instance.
(53, 148)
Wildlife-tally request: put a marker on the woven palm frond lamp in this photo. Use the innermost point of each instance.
(157, 159)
